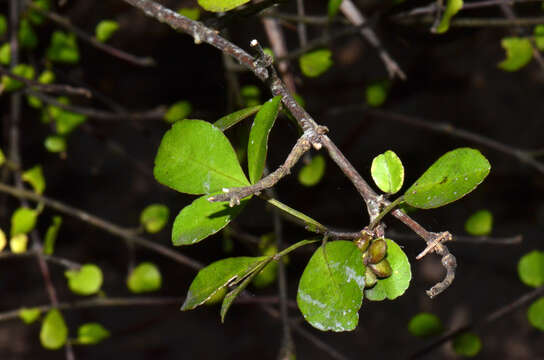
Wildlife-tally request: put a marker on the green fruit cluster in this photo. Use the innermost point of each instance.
(374, 252)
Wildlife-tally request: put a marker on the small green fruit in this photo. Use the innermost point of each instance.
(377, 251)
(382, 269)
(370, 278)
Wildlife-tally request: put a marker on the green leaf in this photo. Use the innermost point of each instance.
(5, 54)
(467, 344)
(425, 325)
(34, 16)
(34, 176)
(146, 277)
(330, 291)
(67, 122)
(27, 36)
(535, 314)
(452, 8)
(23, 220)
(202, 218)
(3, 25)
(333, 7)
(217, 276)
(105, 30)
(195, 157)
(46, 77)
(376, 93)
(531, 268)
(2, 158)
(29, 315)
(154, 217)
(234, 118)
(387, 172)
(3, 240)
(257, 146)
(54, 333)
(480, 223)
(451, 177)
(23, 70)
(51, 236)
(396, 284)
(178, 111)
(539, 37)
(191, 13)
(18, 243)
(220, 5)
(91, 333)
(251, 95)
(519, 53)
(315, 63)
(63, 48)
(267, 276)
(311, 173)
(85, 281)
(55, 143)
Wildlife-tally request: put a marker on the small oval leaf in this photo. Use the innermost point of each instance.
(105, 29)
(195, 157)
(29, 315)
(452, 176)
(519, 53)
(480, 223)
(91, 333)
(535, 314)
(220, 5)
(23, 220)
(54, 333)
(330, 291)
(396, 284)
(388, 172)
(315, 63)
(311, 173)
(154, 217)
(257, 146)
(467, 344)
(85, 281)
(531, 268)
(425, 325)
(178, 111)
(145, 277)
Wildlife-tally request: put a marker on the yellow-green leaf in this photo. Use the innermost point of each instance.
(29, 315)
(85, 281)
(178, 111)
(452, 8)
(154, 217)
(91, 333)
(54, 333)
(467, 344)
(519, 53)
(388, 172)
(312, 173)
(105, 30)
(425, 325)
(191, 13)
(23, 220)
(34, 176)
(18, 243)
(51, 235)
(220, 5)
(145, 277)
(480, 223)
(315, 63)
(535, 314)
(531, 268)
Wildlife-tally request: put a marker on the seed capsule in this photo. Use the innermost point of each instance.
(377, 251)
(370, 278)
(381, 269)
(363, 242)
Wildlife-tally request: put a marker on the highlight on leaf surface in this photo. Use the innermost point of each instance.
(535, 314)
(425, 325)
(519, 53)
(330, 291)
(178, 111)
(467, 344)
(29, 315)
(23, 220)
(480, 223)
(531, 268)
(315, 63)
(145, 277)
(85, 281)
(154, 217)
(91, 333)
(388, 172)
(312, 173)
(195, 157)
(105, 29)
(396, 284)
(452, 176)
(53, 333)
(452, 8)
(220, 5)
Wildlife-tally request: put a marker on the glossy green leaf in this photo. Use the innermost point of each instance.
(519, 53)
(63, 48)
(452, 8)
(51, 235)
(27, 36)
(105, 29)
(202, 218)
(5, 54)
(35, 16)
(154, 217)
(145, 277)
(387, 172)
(220, 5)
(191, 13)
(217, 276)
(330, 291)
(539, 37)
(178, 111)
(333, 7)
(535, 314)
(23, 70)
(425, 325)
(312, 173)
(257, 146)
(91, 333)
(467, 344)
(531, 268)
(315, 63)
(3, 25)
(23, 220)
(480, 223)
(376, 93)
(29, 315)
(85, 281)
(34, 176)
(234, 118)
(54, 333)
(196, 158)
(396, 284)
(55, 144)
(452, 176)
(18, 243)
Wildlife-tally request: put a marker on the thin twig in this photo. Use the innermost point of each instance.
(69, 264)
(479, 22)
(509, 240)
(301, 27)
(277, 41)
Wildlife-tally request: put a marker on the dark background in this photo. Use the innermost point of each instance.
(451, 78)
